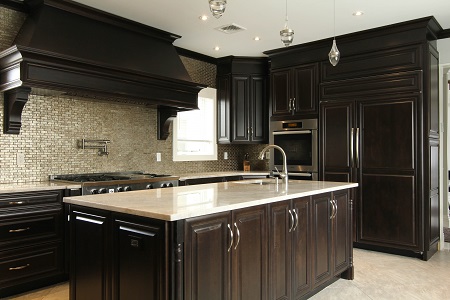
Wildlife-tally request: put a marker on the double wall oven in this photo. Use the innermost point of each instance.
(299, 140)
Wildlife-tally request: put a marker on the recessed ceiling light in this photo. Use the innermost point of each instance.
(203, 17)
(358, 13)
(217, 48)
(256, 38)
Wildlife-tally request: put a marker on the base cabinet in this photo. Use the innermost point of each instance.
(227, 252)
(31, 241)
(289, 249)
(284, 250)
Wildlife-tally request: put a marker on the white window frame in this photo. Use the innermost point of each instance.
(205, 93)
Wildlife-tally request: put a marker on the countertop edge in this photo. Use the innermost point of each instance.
(78, 200)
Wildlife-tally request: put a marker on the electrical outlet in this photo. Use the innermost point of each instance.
(225, 155)
(158, 156)
(267, 154)
(20, 159)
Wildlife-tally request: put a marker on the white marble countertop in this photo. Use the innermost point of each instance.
(35, 186)
(183, 202)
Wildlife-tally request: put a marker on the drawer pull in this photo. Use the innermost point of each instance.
(16, 202)
(19, 268)
(19, 230)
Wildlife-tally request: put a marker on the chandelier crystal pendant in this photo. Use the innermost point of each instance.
(217, 7)
(334, 54)
(287, 34)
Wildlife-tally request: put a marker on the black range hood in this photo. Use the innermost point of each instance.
(72, 48)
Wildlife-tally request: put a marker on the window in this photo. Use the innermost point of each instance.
(194, 132)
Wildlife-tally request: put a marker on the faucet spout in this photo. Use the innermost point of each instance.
(284, 173)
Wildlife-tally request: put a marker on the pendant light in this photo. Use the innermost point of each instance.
(287, 34)
(217, 7)
(334, 54)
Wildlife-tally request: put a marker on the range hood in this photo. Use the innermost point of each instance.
(74, 49)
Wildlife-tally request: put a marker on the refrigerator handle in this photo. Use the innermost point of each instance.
(357, 148)
(352, 161)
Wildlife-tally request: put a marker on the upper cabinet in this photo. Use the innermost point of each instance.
(294, 91)
(242, 110)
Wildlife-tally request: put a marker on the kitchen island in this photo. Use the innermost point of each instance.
(251, 239)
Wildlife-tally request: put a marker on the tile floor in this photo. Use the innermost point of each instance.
(377, 276)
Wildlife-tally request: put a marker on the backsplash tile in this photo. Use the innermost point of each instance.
(53, 125)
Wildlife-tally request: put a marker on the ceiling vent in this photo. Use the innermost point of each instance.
(231, 28)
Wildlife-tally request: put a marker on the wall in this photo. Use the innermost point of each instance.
(53, 125)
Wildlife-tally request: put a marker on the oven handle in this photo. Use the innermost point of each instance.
(300, 174)
(291, 132)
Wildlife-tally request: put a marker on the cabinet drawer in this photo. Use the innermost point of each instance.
(26, 264)
(30, 228)
(28, 200)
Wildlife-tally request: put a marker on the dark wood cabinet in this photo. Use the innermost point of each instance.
(290, 249)
(31, 241)
(90, 254)
(230, 243)
(294, 91)
(331, 241)
(242, 100)
(138, 258)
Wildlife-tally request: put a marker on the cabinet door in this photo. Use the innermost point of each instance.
(138, 260)
(280, 92)
(301, 248)
(305, 89)
(341, 234)
(321, 228)
(258, 111)
(240, 109)
(249, 254)
(223, 109)
(336, 151)
(90, 256)
(280, 246)
(207, 261)
(389, 211)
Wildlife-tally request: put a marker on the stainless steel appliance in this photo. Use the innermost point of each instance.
(116, 182)
(299, 140)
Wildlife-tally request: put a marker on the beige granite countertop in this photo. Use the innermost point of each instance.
(35, 186)
(183, 202)
(221, 174)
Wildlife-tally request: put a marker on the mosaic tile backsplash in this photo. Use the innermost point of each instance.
(53, 125)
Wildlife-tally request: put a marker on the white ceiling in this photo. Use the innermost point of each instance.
(310, 19)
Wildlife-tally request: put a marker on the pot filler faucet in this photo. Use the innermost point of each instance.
(284, 173)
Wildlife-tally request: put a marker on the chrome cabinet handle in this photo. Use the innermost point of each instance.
(293, 105)
(19, 230)
(333, 209)
(352, 161)
(357, 147)
(292, 220)
(231, 238)
(290, 105)
(19, 268)
(238, 236)
(296, 219)
(16, 202)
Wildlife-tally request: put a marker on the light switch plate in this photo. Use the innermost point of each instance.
(158, 156)
(225, 155)
(20, 159)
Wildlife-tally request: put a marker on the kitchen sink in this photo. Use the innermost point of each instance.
(259, 181)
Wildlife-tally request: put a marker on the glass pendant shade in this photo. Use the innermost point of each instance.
(287, 36)
(334, 54)
(217, 7)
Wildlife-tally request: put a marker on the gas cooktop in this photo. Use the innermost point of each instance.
(114, 182)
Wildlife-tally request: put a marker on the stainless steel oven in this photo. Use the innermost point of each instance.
(299, 140)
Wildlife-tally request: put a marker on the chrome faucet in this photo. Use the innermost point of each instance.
(284, 173)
